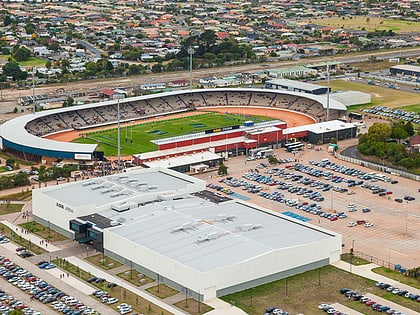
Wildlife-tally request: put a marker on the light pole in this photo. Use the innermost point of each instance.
(87, 251)
(190, 51)
(406, 219)
(33, 89)
(328, 92)
(118, 136)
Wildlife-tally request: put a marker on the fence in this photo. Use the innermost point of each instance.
(377, 167)
(372, 259)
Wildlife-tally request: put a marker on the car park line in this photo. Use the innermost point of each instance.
(391, 304)
(344, 309)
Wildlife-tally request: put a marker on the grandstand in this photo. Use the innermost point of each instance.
(28, 143)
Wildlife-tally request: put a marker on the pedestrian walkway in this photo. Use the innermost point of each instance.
(35, 239)
(97, 272)
(366, 271)
(223, 308)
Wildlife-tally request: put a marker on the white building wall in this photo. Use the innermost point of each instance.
(57, 212)
(207, 283)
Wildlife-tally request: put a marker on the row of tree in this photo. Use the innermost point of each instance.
(383, 140)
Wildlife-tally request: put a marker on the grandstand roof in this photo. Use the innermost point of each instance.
(13, 131)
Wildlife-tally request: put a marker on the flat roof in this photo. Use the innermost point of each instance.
(194, 147)
(327, 126)
(297, 84)
(407, 67)
(207, 236)
(116, 188)
(188, 159)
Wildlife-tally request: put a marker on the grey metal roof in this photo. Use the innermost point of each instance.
(116, 188)
(206, 236)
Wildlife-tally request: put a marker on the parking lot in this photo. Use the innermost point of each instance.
(393, 230)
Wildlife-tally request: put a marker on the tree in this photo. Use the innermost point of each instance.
(222, 169)
(208, 38)
(7, 20)
(68, 102)
(11, 69)
(22, 54)
(378, 132)
(399, 133)
(30, 28)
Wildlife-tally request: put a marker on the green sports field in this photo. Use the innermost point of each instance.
(136, 139)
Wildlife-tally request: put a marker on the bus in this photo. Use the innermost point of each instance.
(293, 146)
(253, 152)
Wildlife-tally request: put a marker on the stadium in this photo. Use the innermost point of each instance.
(26, 136)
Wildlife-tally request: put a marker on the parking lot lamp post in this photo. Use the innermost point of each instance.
(406, 219)
(87, 251)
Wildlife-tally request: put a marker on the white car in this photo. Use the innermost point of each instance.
(323, 305)
(368, 224)
(352, 223)
(112, 301)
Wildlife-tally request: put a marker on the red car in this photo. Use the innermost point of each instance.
(369, 303)
(334, 218)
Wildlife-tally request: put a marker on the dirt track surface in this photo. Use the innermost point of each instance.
(292, 119)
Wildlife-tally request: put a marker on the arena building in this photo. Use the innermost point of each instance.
(167, 226)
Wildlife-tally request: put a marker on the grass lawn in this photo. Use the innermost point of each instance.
(134, 277)
(139, 304)
(21, 196)
(162, 291)
(369, 23)
(142, 134)
(10, 208)
(356, 261)
(192, 307)
(302, 293)
(15, 237)
(103, 262)
(43, 231)
(380, 95)
(398, 276)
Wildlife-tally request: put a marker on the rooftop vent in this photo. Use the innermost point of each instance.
(120, 206)
(114, 223)
(249, 227)
(225, 217)
(208, 237)
(183, 227)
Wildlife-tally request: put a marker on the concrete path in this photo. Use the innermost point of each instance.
(366, 271)
(103, 274)
(223, 308)
(392, 305)
(32, 237)
(344, 309)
